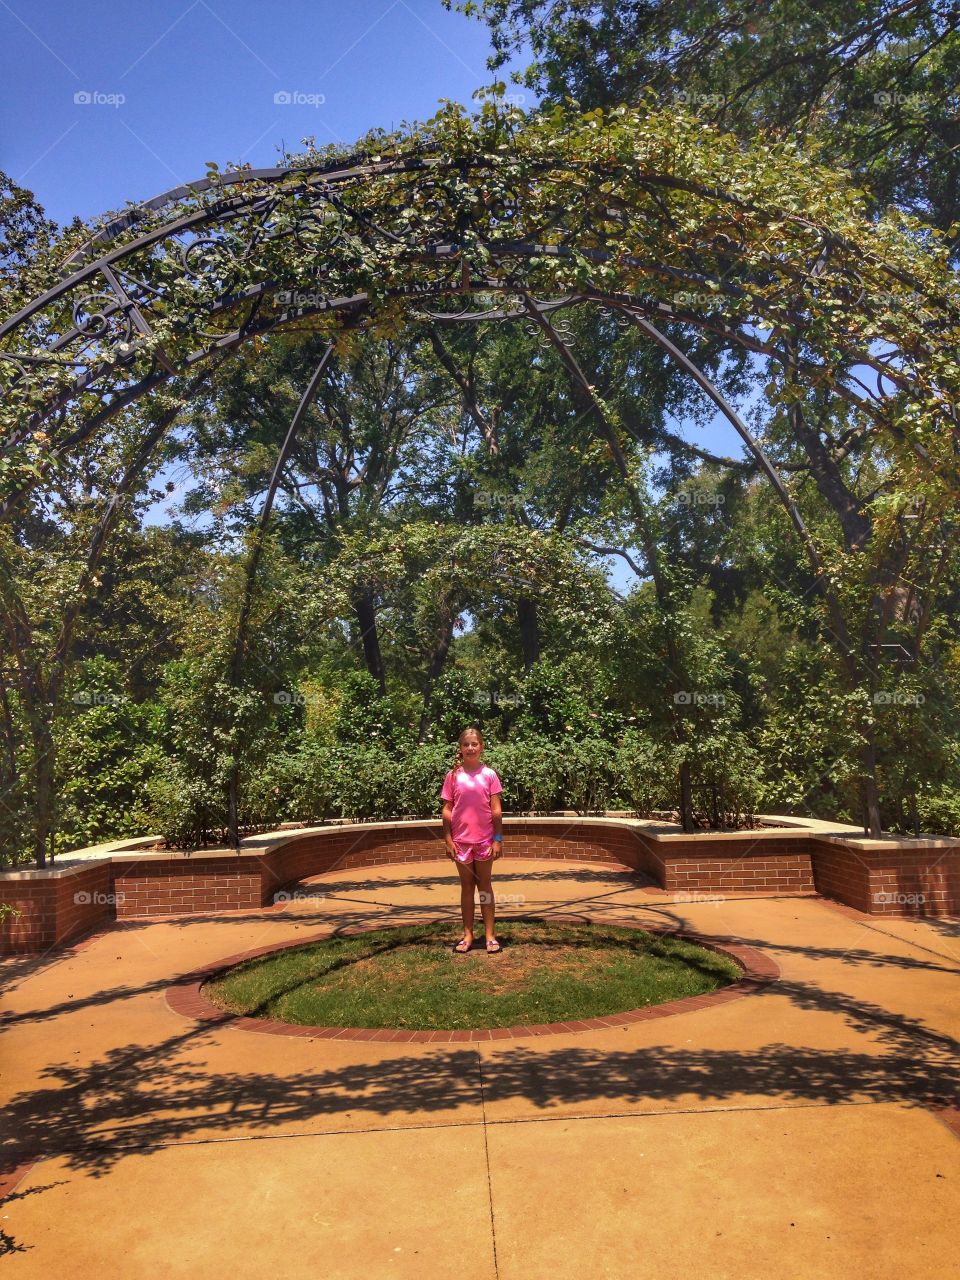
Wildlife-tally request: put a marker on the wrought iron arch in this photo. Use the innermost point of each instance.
(100, 338)
(167, 288)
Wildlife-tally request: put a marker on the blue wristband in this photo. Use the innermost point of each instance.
(500, 838)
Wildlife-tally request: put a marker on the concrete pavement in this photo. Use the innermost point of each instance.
(798, 1132)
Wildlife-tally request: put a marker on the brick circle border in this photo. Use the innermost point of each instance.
(186, 997)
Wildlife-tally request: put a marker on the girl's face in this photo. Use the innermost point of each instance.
(470, 749)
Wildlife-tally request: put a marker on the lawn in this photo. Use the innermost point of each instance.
(410, 978)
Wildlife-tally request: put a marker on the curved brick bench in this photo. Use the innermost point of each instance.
(186, 996)
(122, 880)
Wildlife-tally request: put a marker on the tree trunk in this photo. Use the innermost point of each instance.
(367, 622)
(686, 797)
(233, 826)
(914, 816)
(437, 661)
(871, 797)
(529, 631)
(43, 787)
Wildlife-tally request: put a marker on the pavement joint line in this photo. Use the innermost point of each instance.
(474, 1124)
(864, 923)
(486, 1155)
(942, 955)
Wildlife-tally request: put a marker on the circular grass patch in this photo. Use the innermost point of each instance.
(409, 978)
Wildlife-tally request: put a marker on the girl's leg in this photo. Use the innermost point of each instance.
(483, 870)
(468, 887)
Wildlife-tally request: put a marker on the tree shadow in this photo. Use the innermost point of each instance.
(10, 1245)
(143, 1097)
(845, 955)
(579, 875)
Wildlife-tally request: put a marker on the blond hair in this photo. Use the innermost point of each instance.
(458, 759)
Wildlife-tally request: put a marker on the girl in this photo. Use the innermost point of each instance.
(472, 832)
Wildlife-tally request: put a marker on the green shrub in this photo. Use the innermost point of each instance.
(648, 771)
(208, 726)
(307, 781)
(187, 811)
(455, 703)
(368, 784)
(589, 774)
(726, 776)
(107, 752)
(554, 704)
(423, 771)
(530, 774)
(365, 715)
(939, 810)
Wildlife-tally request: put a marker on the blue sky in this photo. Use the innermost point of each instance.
(174, 83)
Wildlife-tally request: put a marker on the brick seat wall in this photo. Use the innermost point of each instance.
(743, 864)
(893, 881)
(54, 909)
(61, 904)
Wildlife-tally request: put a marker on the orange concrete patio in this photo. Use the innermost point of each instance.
(803, 1130)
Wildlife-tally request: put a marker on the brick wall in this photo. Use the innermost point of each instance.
(53, 909)
(352, 847)
(914, 883)
(748, 865)
(575, 840)
(180, 885)
(84, 901)
(348, 847)
(35, 928)
(893, 880)
(890, 881)
(842, 873)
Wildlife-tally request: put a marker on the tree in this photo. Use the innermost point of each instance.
(870, 86)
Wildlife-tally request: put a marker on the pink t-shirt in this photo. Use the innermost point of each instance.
(469, 793)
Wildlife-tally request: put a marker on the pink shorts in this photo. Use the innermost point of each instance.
(474, 852)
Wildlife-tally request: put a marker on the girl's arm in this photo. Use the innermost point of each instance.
(496, 812)
(447, 815)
